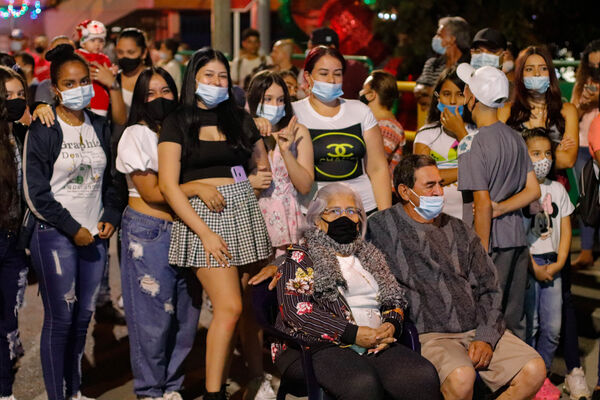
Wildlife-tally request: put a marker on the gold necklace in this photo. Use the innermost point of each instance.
(66, 118)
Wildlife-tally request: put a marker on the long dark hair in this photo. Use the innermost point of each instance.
(8, 171)
(259, 84)
(433, 117)
(520, 111)
(233, 121)
(140, 40)
(139, 111)
(583, 72)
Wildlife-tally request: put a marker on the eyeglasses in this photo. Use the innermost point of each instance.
(338, 211)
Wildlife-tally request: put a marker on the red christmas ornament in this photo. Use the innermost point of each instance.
(353, 23)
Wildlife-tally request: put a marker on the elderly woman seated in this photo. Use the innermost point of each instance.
(336, 291)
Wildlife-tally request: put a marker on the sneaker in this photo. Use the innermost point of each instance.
(576, 386)
(107, 313)
(172, 396)
(548, 392)
(79, 396)
(266, 391)
(11, 397)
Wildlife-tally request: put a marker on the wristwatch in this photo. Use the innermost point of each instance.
(116, 85)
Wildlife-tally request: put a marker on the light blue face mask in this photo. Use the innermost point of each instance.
(179, 57)
(327, 92)
(441, 106)
(77, 98)
(270, 112)
(212, 95)
(538, 83)
(482, 59)
(436, 45)
(429, 206)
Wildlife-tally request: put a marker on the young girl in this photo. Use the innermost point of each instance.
(445, 129)
(211, 141)
(13, 267)
(67, 187)
(150, 285)
(548, 226)
(290, 155)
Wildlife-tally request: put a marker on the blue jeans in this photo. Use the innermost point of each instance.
(69, 278)
(161, 317)
(13, 280)
(543, 304)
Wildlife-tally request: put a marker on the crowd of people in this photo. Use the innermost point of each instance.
(219, 175)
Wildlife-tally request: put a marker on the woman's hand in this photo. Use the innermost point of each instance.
(366, 337)
(453, 123)
(215, 245)
(106, 230)
(261, 180)
(83, 237)
(102, 74)
(263, 125)
(286, 137)
(45, 114)
(270, 271)
(211, 196)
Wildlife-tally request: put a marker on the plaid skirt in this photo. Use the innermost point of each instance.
(240, 224)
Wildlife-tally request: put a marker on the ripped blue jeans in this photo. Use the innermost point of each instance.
(69, 278)
(162, 318)
(13, 280)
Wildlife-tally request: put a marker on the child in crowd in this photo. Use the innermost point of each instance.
(290, 155)
(548, 225)
(92, 36)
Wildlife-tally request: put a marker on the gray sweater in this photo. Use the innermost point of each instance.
(449, 279)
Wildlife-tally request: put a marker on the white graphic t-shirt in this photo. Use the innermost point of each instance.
(542, 218)
(78, 171)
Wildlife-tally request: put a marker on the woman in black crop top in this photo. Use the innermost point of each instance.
(212, 142)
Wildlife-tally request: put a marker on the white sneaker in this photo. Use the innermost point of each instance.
(265, 391)
(172, 396)
(79, 396)
(11, 397)
(576, 386)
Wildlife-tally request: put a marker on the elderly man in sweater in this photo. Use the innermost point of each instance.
(453, 292)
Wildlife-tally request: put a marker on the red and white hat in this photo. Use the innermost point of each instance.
(90, 29)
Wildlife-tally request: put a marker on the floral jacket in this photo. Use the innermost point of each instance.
(312, 318)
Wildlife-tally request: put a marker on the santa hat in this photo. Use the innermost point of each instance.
(90, 29)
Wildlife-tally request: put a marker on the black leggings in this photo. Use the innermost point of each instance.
(396, 373)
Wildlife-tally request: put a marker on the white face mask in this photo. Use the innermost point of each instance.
(77, 98)
(212, 95)
(271, 113)
(508, 66)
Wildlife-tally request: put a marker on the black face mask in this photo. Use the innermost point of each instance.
(129, 64)
(595, 74)
(39, 49)
(15, 109)
(160, 108)
(363, 99)
(343, 230)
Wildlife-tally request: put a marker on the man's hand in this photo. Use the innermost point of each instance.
(480, 354)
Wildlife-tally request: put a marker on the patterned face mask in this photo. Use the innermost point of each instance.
(542, 168)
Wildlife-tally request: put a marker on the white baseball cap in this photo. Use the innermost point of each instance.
(488, 84)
